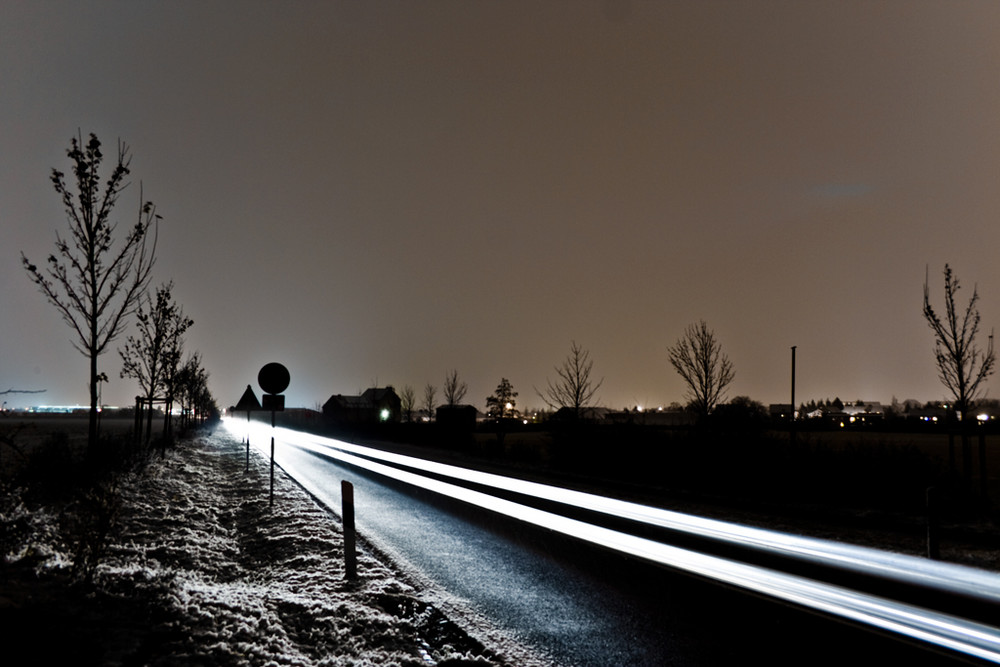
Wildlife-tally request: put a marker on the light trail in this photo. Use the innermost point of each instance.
(944, 630)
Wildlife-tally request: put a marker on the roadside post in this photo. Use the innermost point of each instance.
(273, 378)
(933, 524)
(791, 429)
(248, 401)
(350, 552)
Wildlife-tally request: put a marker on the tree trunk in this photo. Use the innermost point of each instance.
(952, 465)
(983, 472)
(149, 418)
(966, 452)
(92, 426)
(168, 426)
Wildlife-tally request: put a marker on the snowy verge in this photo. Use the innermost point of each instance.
(203, 571)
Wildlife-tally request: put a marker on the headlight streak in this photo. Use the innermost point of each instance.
(951, 632)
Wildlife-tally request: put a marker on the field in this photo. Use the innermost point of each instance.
(866, 488)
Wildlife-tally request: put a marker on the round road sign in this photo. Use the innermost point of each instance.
(273, 378)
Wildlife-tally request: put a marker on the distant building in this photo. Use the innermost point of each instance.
(376, 405)
(457, 417)
(851, 413)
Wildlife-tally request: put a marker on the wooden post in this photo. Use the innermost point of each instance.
(350, 554)
(933, 536)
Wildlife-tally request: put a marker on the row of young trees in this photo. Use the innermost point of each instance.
(97, 279)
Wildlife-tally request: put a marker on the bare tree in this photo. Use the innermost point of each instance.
(408, 401)
(152, 357)
(962, 365)
(574, 389)
(94, 279)
(698, 358)
(430, 393)
(454, 391)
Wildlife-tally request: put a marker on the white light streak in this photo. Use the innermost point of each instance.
(952, 632)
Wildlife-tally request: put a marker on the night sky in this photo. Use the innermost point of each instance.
(380, 192)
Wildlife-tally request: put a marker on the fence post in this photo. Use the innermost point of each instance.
(933, 536)
(350, 555)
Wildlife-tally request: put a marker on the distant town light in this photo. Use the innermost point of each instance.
(983, 417)
(384, 415)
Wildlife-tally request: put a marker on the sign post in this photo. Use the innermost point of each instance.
(273, 378)
(350, 553)
(249, 403)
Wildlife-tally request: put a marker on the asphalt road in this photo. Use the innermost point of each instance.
(577, 604)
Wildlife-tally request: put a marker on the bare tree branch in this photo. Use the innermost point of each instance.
(698, 358)
(429, 404)
(962, 365)
(94, 286)
(574, 387)
(454, 391)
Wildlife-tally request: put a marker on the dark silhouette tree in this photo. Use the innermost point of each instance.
(698, 358)
(407, 402)
(192, 390)
(501, 403)
(574, 388)
(743, 414)
(430, 398)
(454, 390)
(95, 278)
(171, 369)
(152, 357)
(962, 365)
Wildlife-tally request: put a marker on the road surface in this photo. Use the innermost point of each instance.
(573, 603)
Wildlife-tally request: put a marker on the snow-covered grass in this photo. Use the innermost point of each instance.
(202, 571)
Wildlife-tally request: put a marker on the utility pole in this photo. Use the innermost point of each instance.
(791, 430)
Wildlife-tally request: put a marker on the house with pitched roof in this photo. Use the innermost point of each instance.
(376, 405)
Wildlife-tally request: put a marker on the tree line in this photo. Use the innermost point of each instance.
(99, 277)
(707, 371)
